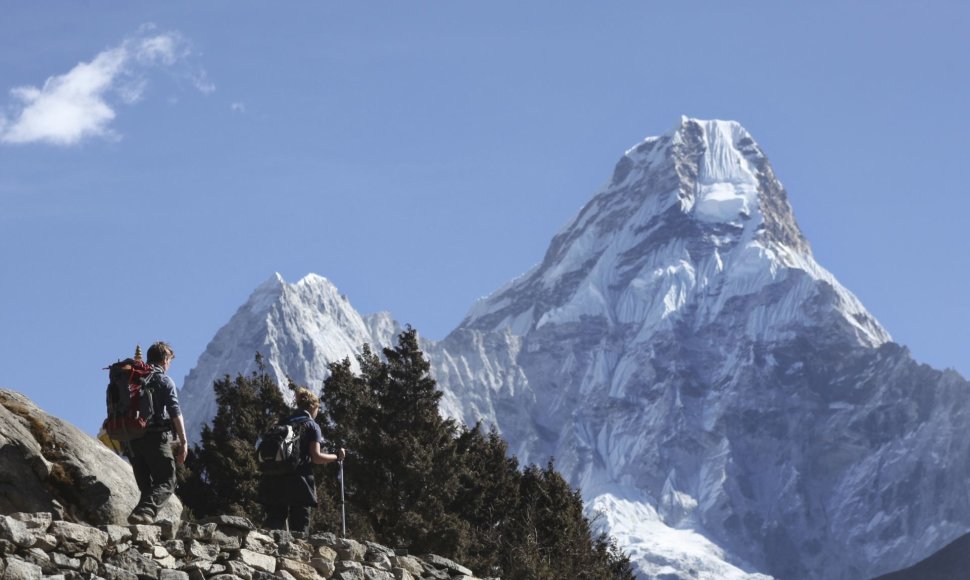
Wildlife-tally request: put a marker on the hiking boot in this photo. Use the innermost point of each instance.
(140, 519)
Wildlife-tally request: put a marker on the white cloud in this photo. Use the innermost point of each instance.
(80, 103)
(202, 83)
(238, 107)
(162, 49)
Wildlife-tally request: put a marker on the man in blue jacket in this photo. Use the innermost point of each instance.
(152, 456)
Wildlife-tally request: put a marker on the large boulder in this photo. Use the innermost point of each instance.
(49, 465)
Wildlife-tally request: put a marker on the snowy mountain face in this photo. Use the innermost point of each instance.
(298, 329)
(727, 407)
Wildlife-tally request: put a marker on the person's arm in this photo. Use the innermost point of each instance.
(175, 413)
(317, 457)
(183, 444)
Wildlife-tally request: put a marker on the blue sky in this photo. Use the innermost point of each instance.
(159, 160)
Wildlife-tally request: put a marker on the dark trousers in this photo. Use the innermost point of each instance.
(154, 466)
(298, 516)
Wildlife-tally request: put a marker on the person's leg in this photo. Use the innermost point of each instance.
(154, 467)
(162, 464)
(275, 517)
(300, 519)
(143, 478)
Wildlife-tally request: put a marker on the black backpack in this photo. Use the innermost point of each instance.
(129, 399)
(278, 449)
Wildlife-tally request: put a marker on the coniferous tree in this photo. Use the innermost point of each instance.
(486, 500)
(420, 447)
(402, 449)
(552, 537)
(422, 483)
(350, 419)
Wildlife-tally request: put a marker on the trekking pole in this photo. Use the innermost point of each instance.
(343, 504)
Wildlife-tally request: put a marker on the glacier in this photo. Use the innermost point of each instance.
(727, 407)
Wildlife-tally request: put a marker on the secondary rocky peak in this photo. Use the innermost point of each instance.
(298, 328)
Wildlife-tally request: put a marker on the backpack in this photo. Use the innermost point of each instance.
(278, 449)
(129, 399)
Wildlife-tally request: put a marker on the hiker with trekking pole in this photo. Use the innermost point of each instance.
(286, 454)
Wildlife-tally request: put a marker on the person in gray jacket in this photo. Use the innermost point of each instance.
(152, 456)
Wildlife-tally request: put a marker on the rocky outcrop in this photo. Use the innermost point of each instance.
(48, 465)
(219, 548)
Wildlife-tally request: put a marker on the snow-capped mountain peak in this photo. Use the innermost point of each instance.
(691, 214)
(298, 329)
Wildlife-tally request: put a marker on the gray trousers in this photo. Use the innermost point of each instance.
(154, 466)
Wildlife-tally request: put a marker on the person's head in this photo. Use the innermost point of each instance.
(160, 354)
(307, 401)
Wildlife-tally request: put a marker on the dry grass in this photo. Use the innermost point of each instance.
(40, 431)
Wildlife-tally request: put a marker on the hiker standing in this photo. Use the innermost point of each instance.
(290, 497)
(151, 456)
